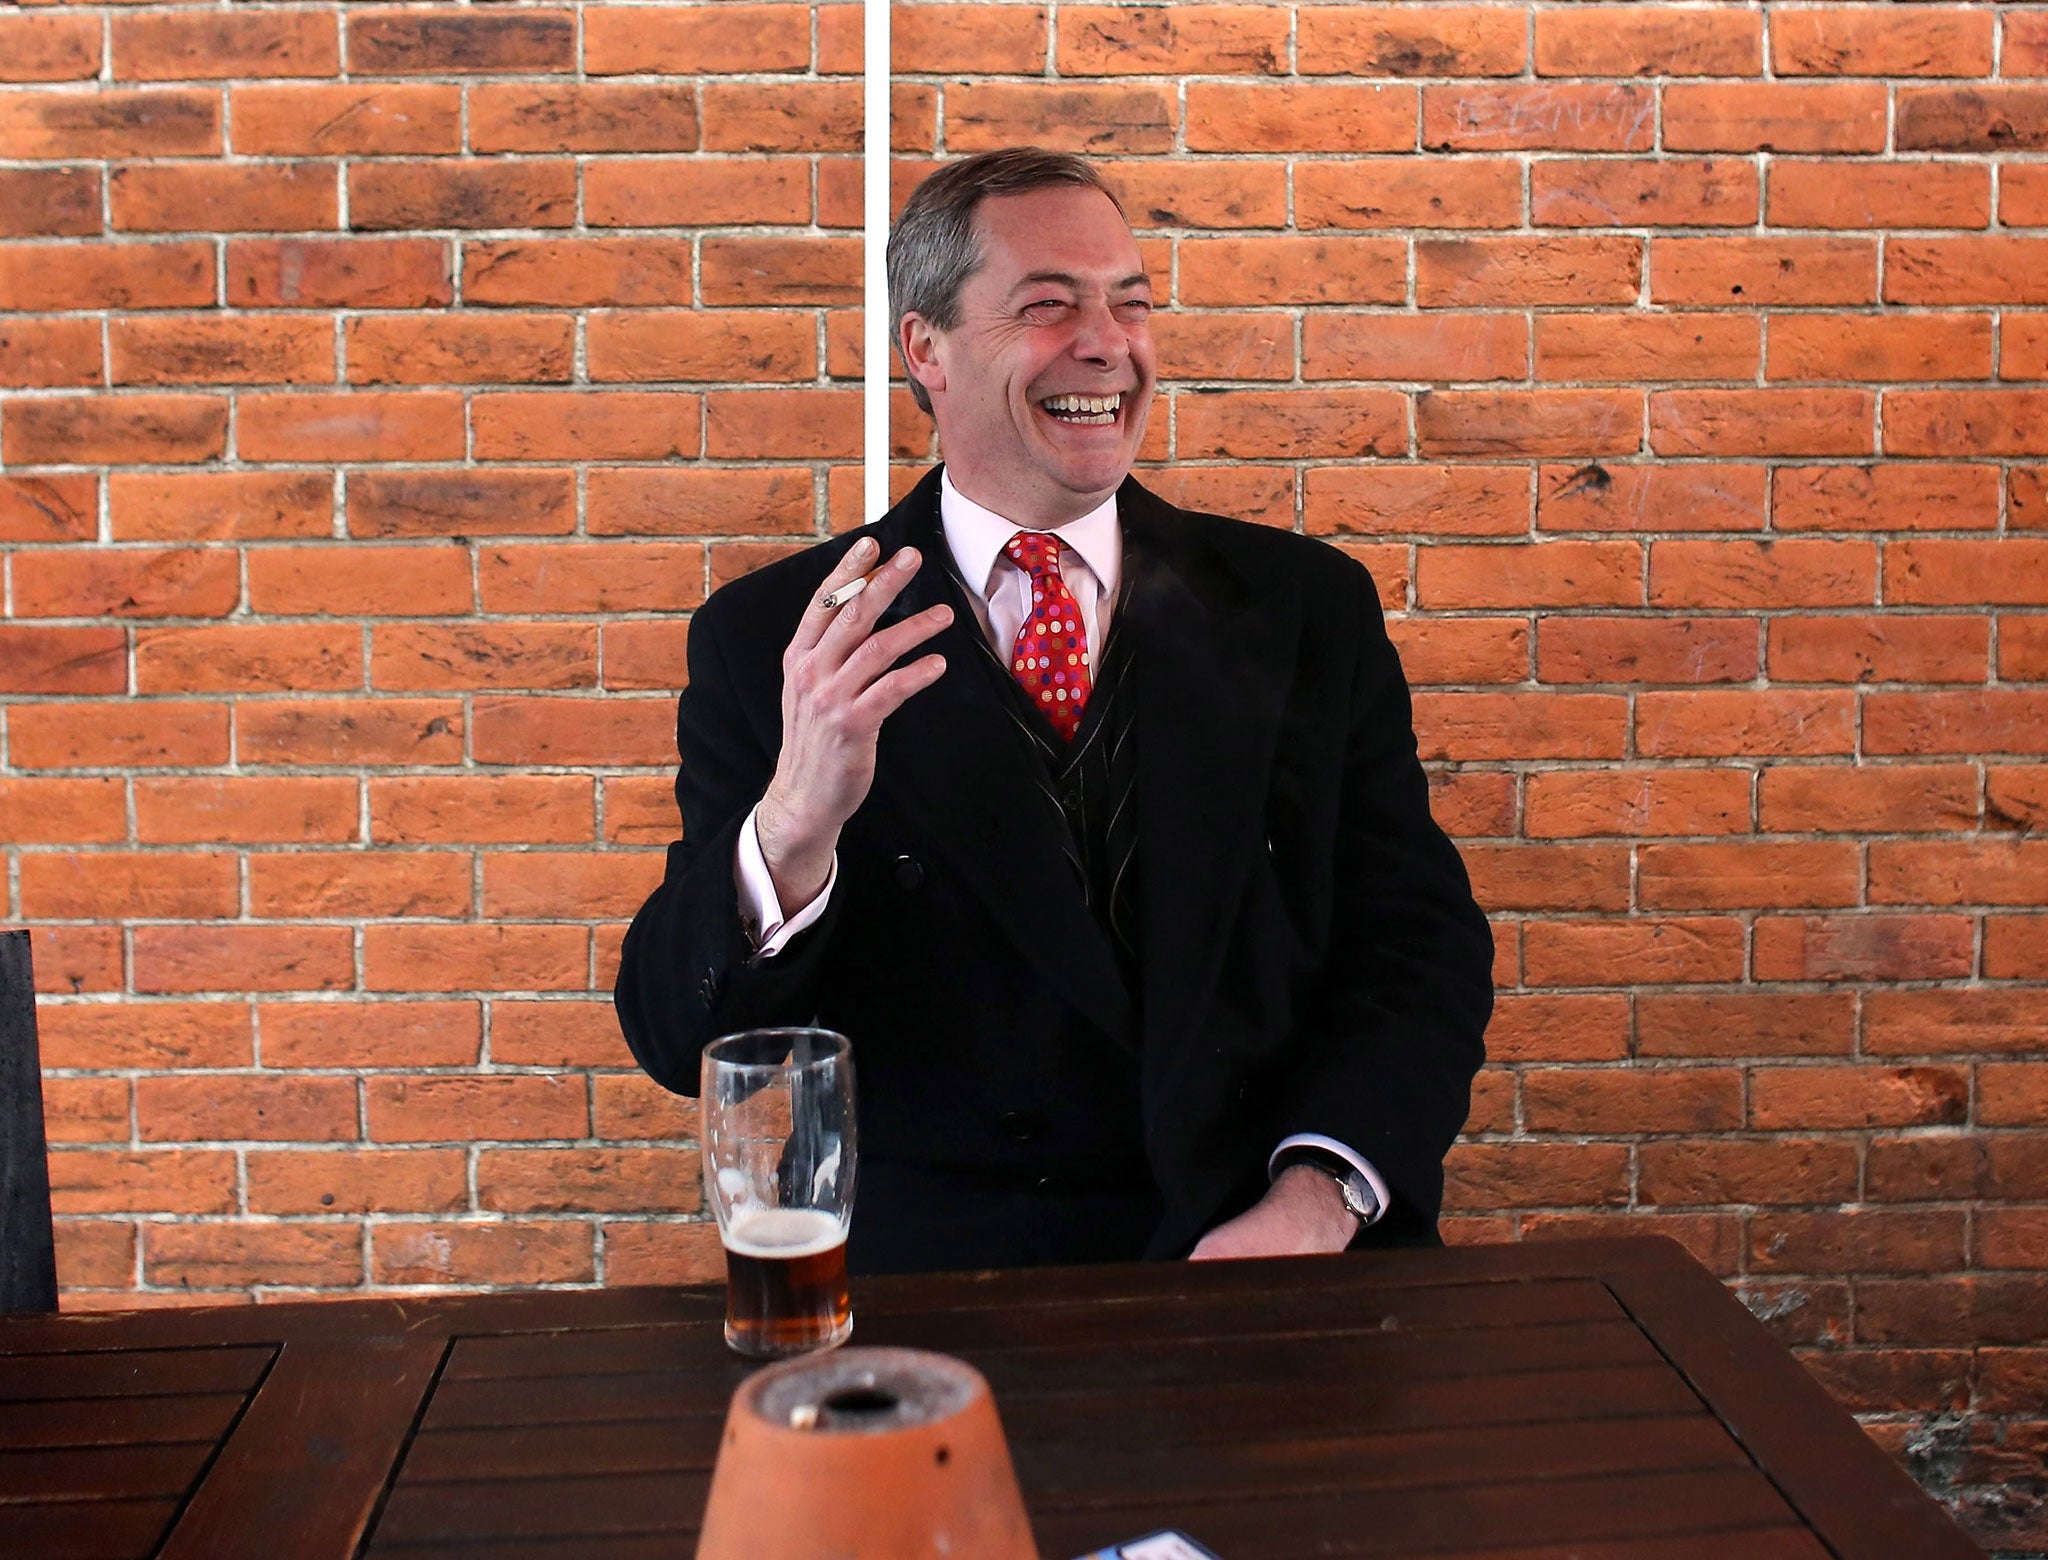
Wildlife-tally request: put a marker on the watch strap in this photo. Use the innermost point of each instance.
(1352, 1185)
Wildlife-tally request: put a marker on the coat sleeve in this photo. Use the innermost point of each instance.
(687, 972)
(1388, 1065)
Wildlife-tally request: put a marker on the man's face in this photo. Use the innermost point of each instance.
(1042, 388)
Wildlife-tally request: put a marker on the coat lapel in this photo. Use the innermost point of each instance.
(1212, 661)
(955, 760)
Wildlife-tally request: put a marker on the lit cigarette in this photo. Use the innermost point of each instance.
(846, 592)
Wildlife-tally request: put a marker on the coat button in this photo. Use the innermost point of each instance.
(1017, 1127)
(909, 874)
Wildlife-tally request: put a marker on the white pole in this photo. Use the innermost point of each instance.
(875, 186)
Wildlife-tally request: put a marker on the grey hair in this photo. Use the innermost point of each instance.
(936, 245)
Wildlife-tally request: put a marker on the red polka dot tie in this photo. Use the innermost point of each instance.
(1051, 658)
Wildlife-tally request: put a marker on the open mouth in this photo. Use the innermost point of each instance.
(1083, 410)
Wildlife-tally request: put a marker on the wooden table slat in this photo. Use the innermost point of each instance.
(28, 1378)
(101, 1472)
(119, 1421)
(302, 1473)
(84, 1530)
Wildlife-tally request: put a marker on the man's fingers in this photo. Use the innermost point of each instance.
(851, 623)
(876, 654)
(860, 558)
(891, 693)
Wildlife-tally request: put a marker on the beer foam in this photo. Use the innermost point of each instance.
(783, 1234)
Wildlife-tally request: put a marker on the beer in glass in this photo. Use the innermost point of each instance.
(779, 1161)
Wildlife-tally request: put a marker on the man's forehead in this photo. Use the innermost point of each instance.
(1066, 233)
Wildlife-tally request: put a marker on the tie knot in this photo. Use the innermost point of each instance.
(1037, 553)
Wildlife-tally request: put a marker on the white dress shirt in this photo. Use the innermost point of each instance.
(1091, 563)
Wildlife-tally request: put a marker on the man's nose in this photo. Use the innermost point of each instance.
(1099, 336)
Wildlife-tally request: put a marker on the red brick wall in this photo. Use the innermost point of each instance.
(381, 387)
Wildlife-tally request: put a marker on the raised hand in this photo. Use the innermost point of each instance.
(837, 689)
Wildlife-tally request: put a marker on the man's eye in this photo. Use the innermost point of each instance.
(1134, 308)
(1045, 305)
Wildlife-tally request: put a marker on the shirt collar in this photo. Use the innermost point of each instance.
(977, 536)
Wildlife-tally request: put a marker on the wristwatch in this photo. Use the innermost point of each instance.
(1352, 1185)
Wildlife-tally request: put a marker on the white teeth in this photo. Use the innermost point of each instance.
(1085, 405)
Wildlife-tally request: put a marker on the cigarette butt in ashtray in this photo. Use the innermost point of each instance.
(867, 1454)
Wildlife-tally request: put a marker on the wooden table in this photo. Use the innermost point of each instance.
(1586, 1399)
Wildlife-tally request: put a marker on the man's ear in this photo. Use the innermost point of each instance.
(920, 344)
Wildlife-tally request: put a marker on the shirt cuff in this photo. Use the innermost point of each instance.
(1358, 1161)
(760, 910)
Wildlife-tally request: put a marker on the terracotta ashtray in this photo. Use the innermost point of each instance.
(865, 1454)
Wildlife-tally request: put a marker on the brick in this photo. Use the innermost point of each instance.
(1887, 648)
(537, 884)
(1963, 1310)
(42, 811)
(93, 430)
(49, 47)
(1713, 1240)
(354, 1033)
(967, 39)
(334, 884)
(498, 1253)
(1220, 40)
(180, 959)
(1937, 571)
(2016, 795)
(1813, 194)
(1693, 1173)
(1887, 798)
(695, 40)
(582, 117)
(1774, 117)
(1739, 574)
(95, 1253)
(1881, 40)
(152, 1035)
(352, 273)
(1473, 726)
(665, 192)
(796, 116)
(1539, 116)
(1528, 422)
(1965, 270)
(1892, 1380)
(253, 1109)
(2012, 1238)
(1665, 192)
(1743, 874)
(1554, 573)
(1290, 424)
(2025, 51)
(454, 42)
(354, 732)
(1762, 422)
(1214, 345)
(1625, 1100)
(782, 424)
(1125, 119)
(646, 655)
(1978, 118)
(777, 271)
(526, 194)
(641, 501)
(1762, 271)
(1863, 1240)
(639, 810)
(1549, 877)
(356, 120)
(1649, 40)
(126, 582)
(1857, 1096)
(209, 46)
(49, 202)
(356, 1180)
(1515, 272)
(558, 1033)
(1946, 1166)
(1306, 117)
(71, 960)
(202, 349)
(1384, 499)
(63, 660)
(567, 730)
(151, 885)
(102, 1180)
(43, 354)
(2023, 347)
(484, 655)
(223, 198)
(1897, 347)
(1441, 347)
(1386, 192)
(1564, 803)
(104, 736)
(1293, 270)
(1745, 1023)
(1726, 722)
(2023, 195)
(1201, 195)
(49, 509)
(1690, 497)
(219, 505)
(459, 349)
(486, 1109)
(85, 1110)
(111, 122)
(1548, 1027)
(1964, 422)
(1883, 497)
(1625, 348)
(461, 503)
(1493, 1103)
(1456, 651)
(482, 809)
(1260, 494)
(1653, 952)
(107, 276)
(425, 957)
(603, 1180)
(222, 1256)
(596, 577)
(1647, 652)
(668, 1252)
(1864, 947)
(611, 425)
(245, 810)
(1990, 720)
(362, 426)
(634, 1106)
(2011, 1094)
(1993, 870)
(1400, 40)
(752, 345)
(1535, 1175)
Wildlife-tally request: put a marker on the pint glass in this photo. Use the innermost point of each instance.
(778, 1171)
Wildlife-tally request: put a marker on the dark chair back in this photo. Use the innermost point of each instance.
(28, 1263)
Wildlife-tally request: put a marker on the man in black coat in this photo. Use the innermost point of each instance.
(1096, 824)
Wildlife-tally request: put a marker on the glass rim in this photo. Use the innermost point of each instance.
(831, 1046)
